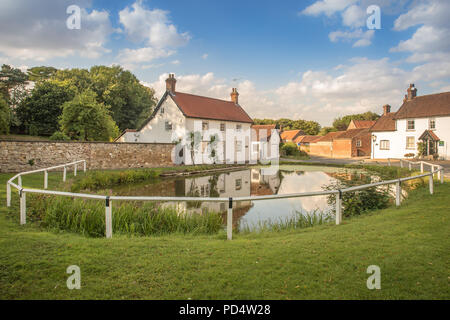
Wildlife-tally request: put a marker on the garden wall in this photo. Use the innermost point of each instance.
(16, 156)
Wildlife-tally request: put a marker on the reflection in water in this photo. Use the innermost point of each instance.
(248, 182)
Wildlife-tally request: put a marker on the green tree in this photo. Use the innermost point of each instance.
(85, 119)
(9, 78)
(341, 124)
(4, 116)
(326, 130)
(39, 112)
(309, 127)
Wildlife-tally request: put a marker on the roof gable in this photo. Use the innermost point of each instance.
(291, 134)
(385, 123)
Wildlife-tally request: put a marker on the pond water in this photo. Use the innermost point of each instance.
(254, 181)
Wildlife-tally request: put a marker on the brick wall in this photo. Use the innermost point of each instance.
(15, 155)
(342, 148)
(322, 149)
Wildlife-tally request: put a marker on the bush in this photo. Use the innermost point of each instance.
(59, 136)
(5, 116)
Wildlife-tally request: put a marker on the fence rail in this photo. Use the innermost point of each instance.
(108, 199)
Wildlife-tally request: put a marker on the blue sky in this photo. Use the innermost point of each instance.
(314, 59)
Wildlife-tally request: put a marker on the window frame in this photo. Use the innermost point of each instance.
(385, 142)
(413, 144)
(205, 124)
(432, 120)
(238, 127)
(222, 127)
(413, 125)
(168, 125)
(359, 143)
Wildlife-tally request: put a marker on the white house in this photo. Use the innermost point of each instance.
(205, 130)
(424, 119)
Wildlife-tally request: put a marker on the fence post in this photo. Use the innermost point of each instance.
(398, 194)
(339, 207)
(64, 174)
(421, 166)
(230, 219)
(442, 174)
(431, 183)
(23, 207)
(75, 170)
(84, 166)
(8, 194)
(19, 181)
(401, 163)
(389, 161)
(439, 173)
(45, 179)
(409, 166)
(108, 218)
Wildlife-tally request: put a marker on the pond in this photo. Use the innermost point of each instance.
(255, 181)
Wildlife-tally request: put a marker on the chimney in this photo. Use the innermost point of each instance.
(386, 109)
(170, 83)
(412, 92)
(234, 96)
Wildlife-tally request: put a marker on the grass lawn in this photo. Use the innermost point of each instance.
(410, 244)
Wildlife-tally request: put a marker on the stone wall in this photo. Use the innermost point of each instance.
(16, 155)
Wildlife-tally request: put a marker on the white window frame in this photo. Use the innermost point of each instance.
(413, 125)
(430, 121)
(358, 143)
(413, 144)
(386, 145)
(168, 126)
(222, 127)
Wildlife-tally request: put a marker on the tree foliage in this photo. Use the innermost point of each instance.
(309, 127)
(39, 112)
(41, 73)
(84, 119)
(4, 116)
(9, 78)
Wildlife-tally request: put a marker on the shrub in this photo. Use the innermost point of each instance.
(59, 136)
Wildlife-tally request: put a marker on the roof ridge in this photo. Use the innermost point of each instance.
(196, 95)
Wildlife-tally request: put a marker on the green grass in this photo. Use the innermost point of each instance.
(410, 244)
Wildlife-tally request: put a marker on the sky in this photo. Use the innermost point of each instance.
(313, 59)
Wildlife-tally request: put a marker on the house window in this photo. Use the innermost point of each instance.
(222, 127)
(238, 127)
(384, 145)
(238, 146)
(410, 143)
(238, 184)
(168, 126)
(162, 110)
(358, 143)
(411, 125)
(205, 125)
(432, 124)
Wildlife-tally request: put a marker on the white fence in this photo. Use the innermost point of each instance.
(108, 199)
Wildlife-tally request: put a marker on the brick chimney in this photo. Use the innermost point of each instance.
(412, 92)
(170, 83)
(386, 109)
(234, 96)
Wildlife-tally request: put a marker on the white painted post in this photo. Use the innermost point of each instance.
(23, 207)
(398, 194)
(64, 174)
(84, 166)
(19, 181)
(108, 218)
(8, 195)
(75, 170)
(339, 207)
(389, 161)
(421, 166)
(442, 174)
(45, 179)
(409, 166)
(230, 219)
(401, 163)
(431, 183)
(439, 173)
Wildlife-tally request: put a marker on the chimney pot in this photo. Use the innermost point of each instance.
(386, 109)
(412, 92)
(234, 96)
(170, 83)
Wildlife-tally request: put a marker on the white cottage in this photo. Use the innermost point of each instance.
(205, 130)
(424, 119)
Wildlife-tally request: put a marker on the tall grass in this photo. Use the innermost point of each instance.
(88, 217)
(298, 220)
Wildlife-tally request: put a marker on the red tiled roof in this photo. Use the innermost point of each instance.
(385, 123)
(330, 136)
(429, 133)
(201, 107)
(352, 133)
(307, 139)
(291, 134)
(425, 106)
(359, 124)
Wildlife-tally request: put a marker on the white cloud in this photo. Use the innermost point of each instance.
(132, 56)
(175, 62)
(151, 26)
(327, 7)
(205, 56)
(354, 16)
(37, 30)
(363, 38)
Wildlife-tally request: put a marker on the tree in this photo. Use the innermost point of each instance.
(309, 127)
(4, 116)
(84, 119)
(326, 130)
(9, 78)
(39, 112)
(341, 124)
